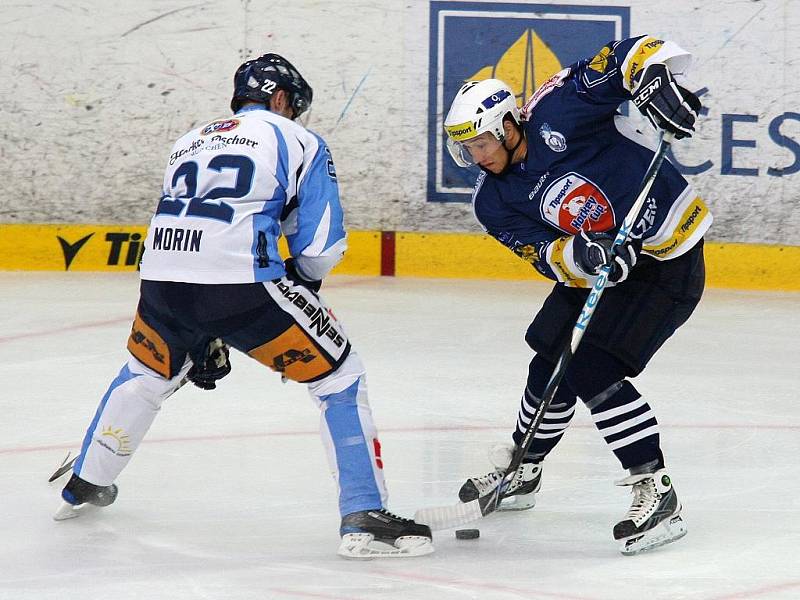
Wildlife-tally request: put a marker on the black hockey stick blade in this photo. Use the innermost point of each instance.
(66, 465)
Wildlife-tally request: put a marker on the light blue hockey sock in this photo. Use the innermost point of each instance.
(358, 490)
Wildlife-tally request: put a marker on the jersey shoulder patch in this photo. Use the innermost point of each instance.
(601, 67)
(556, 81)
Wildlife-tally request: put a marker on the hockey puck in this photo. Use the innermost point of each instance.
(468, 534)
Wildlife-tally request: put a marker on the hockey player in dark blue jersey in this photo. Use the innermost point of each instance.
(557, 178)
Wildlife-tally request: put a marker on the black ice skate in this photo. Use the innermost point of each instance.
(78, 492)
(377, 533)
(521, 493)
(654, 518)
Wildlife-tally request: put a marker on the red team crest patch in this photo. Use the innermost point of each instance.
(572, 203)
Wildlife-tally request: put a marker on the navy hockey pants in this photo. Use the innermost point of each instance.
(633, 319)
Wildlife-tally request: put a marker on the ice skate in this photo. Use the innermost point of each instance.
(78, 493)
(521, 493)
(378, 533)
(654, 518)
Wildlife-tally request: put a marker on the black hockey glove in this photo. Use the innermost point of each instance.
(293, 275)
(592, 251)
(668, 106)
(213, 364)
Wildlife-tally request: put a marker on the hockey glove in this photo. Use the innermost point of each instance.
(592, 251)
(212, 365)
(667, 105)
(294, 276)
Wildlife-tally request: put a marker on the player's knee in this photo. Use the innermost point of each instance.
(345, 375)
(593, 371)
(150, 385)
(615, 395)
(539, 373)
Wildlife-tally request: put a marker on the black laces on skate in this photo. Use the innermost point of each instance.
(488, 482)
(391, 515)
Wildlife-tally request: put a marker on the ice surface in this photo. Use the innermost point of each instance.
(230, 498)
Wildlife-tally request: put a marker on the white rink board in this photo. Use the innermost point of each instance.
(229, 497)
(88, 113)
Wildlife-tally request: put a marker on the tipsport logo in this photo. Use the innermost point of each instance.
(122, 249)
(520, 43)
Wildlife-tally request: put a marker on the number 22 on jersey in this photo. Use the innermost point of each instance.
(205, 206)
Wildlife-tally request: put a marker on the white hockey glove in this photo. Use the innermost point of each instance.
(667, 105)
(293, 275)
(592, 251)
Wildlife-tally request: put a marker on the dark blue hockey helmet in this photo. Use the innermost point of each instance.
(259, 78)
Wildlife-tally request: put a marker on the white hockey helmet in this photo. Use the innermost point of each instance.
(478, 108)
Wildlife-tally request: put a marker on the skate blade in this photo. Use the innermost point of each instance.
(365, 546)
(520, 502)
(668, 531)
(68, 511)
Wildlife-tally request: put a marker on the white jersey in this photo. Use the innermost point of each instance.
(231, 187)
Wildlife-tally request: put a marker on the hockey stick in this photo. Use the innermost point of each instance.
(445, 517)
(66, 465)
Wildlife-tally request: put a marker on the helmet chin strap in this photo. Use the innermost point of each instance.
(510, 153)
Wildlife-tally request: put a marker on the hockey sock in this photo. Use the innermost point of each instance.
(628, 425)
(556, 419)
(625, 420)
(358, 488)
(350, 437)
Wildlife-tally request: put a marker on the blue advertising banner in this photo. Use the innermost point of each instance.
(521, 43)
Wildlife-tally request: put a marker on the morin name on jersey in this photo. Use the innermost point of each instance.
(183, 240)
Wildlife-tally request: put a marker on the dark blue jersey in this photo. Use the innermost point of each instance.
(584, 167)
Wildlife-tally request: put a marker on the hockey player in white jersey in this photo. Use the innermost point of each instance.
(557, 179)
(211, 271)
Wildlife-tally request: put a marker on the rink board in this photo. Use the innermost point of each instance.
(62, 247)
